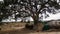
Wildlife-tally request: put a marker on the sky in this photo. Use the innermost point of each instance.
(1, 0)
(51, 17)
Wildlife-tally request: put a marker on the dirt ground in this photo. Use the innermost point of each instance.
(19, 28)
(26, 31)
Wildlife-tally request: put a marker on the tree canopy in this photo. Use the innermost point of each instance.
(25, 8)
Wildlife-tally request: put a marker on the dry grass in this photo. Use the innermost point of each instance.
(18, 28)
(12, 26)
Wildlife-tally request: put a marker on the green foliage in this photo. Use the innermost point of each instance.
(54, 4)
(7, 2)
(3, 12)
(28, 5)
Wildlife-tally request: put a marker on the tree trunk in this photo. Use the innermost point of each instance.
(37, 26)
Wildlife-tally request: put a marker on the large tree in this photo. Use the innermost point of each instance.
(27, 8)
(36, 7)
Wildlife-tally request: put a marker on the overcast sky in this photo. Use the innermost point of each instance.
(1, 0)
(52, 17)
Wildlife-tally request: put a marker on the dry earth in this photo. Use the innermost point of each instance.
(19, 28)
